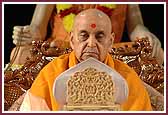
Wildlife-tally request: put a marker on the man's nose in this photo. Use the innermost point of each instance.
(91, 41)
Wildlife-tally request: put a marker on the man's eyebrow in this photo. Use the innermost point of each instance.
(83, 31)
(100, 32)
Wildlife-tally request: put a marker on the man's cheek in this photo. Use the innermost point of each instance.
(79, 50)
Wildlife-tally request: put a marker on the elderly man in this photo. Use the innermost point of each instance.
(92, 36)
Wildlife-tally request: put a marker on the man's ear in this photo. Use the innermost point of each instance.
(71, 40)
(112, 37)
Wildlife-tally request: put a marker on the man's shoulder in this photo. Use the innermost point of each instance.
(119, 64)
(124, 69)
(53, 68)
(61, 58)
(58, 61)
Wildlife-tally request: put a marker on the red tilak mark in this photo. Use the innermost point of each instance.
(93, 25)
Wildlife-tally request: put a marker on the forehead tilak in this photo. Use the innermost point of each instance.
(92, 25)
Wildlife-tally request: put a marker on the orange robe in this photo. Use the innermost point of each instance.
(42, 87)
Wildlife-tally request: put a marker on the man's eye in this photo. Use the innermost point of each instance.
(99, 37)
(83, 36)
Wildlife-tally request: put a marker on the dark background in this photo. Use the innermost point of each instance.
(14, 14)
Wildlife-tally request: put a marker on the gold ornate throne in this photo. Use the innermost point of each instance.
(136, 54)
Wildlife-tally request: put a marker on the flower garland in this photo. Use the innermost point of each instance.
(67, 12)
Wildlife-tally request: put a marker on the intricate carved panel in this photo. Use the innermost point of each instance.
(91, 88)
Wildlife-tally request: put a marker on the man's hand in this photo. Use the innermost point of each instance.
(24, 35)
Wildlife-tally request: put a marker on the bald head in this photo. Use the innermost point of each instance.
(93, 16)
(91, 35)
